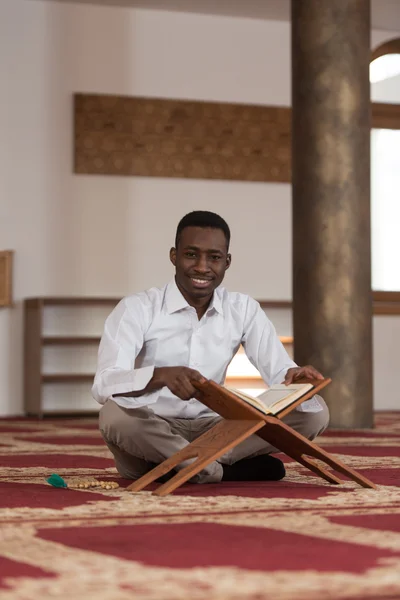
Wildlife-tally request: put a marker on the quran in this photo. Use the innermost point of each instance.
(278, 397)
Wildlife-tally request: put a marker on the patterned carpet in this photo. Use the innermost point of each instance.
(299, 538)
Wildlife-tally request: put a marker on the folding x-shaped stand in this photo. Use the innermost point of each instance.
(240, 420)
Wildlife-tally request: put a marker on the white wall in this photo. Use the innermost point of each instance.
(89, 235)
(387, 90)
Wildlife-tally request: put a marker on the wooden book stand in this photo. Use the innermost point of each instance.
(240, 420)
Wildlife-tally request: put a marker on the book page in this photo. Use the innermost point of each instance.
(250, 400)
(276, 398)
(279, 396)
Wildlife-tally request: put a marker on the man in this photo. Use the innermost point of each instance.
(157, 343)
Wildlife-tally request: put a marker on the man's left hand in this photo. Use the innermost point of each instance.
(296, 373)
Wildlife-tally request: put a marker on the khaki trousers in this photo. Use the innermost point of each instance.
(140, 439)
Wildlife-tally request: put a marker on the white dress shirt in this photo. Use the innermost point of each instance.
(158, 328)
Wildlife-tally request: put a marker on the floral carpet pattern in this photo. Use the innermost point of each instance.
(299, 538)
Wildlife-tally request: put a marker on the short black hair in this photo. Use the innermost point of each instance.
(206, 219)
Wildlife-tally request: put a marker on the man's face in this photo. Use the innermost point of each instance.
(200, 260)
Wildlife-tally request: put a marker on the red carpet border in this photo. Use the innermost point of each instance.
(300, 538)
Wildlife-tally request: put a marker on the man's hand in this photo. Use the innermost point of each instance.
(296, 373)
(179, 381)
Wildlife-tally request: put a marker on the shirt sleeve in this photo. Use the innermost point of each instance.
(263, 346)
(121, 342)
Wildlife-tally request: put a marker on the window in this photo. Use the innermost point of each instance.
(385, 209)
(385, 169)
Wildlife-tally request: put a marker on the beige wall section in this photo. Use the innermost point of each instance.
(98, 235)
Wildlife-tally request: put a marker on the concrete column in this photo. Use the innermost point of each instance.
(332, 299)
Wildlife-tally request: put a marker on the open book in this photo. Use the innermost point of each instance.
(278, 397)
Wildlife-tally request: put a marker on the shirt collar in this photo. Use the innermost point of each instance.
(174, 300)
(216, 302)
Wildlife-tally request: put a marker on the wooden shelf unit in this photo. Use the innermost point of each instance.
(61, 340)
(36, 339)
(67, 377)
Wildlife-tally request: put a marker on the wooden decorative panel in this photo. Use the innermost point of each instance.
(5, 278)
(117, 135)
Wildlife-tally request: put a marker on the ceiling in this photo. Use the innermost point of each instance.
(385, 14)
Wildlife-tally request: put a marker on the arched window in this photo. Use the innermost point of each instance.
(385, 166)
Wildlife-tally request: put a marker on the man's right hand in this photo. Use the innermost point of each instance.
(178, 380)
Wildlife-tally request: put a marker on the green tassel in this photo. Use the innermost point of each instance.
(56, 481)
